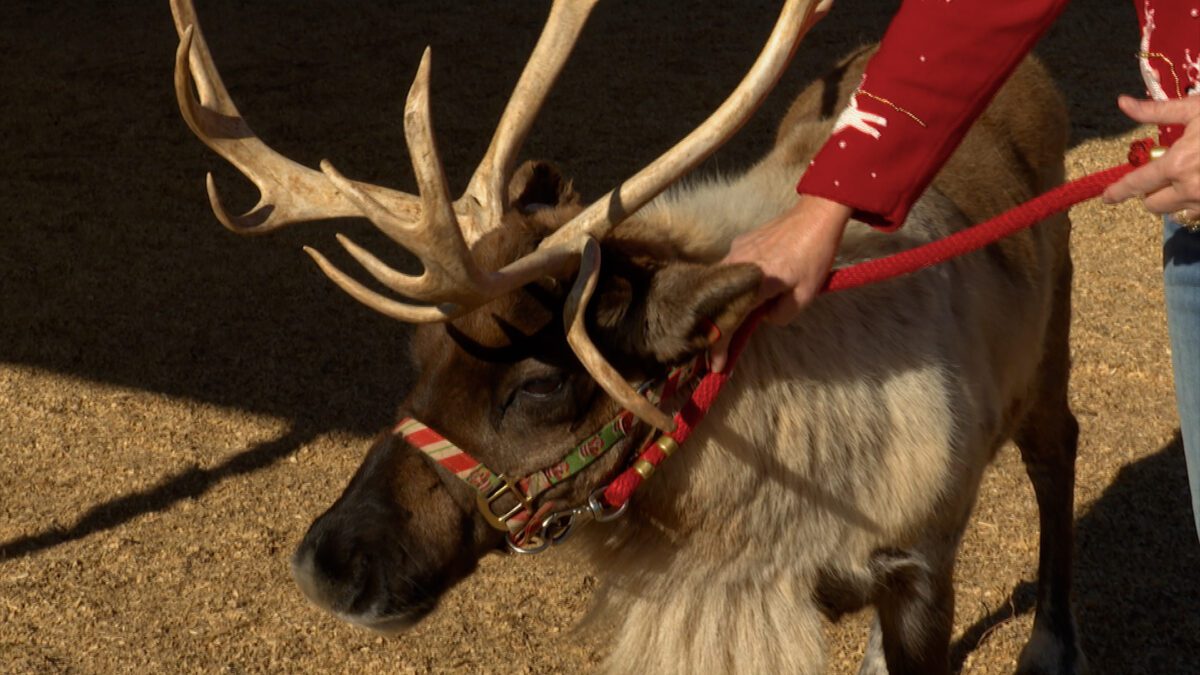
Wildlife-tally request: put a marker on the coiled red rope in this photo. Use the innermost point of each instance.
(906, 262)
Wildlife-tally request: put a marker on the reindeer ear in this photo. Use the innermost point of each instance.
(538, 185)
(670, 313)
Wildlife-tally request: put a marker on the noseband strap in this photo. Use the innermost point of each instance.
(490, 485)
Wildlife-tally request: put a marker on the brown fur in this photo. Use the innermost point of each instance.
(841, 463)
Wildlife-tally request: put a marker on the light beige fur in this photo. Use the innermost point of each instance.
(862, 428)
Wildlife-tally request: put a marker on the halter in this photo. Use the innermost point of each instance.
(530, 527)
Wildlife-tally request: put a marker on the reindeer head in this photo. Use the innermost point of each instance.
(511, 289)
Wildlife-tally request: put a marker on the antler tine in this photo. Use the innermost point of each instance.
(489, 185)
(452, 277)
(605, 375)
(208, 81)
(794, 21)
(438, 211)
(386, 306)
(290, 192)
(451, 274)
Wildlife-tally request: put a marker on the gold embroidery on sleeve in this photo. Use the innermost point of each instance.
(1170, 67)
(893, 106)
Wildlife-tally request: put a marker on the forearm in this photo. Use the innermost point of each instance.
(938, 66)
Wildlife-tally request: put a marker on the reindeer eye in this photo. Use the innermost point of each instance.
(542, 395)
(543, 387)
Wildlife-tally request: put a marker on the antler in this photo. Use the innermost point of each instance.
(426, 225)
(439, 231)
(290, 192)
(451, 279)
(489, 185)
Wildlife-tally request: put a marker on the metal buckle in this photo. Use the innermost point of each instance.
(500, 521)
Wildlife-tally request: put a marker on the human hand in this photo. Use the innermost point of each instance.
(1170, 183)
(795, 252)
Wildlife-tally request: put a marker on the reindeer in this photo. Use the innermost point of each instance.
(841, 463)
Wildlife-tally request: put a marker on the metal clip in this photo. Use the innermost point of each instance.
(599, 513)
(532, 544)
(558, 525)
(553, 529)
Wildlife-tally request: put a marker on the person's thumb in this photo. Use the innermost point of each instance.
(1146, 111)
(718, 353)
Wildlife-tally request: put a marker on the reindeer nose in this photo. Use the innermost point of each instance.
(355, 576)
(335, 571)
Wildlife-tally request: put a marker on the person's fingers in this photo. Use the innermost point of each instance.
(1142, 181)
(1166, 200)
(718, 354)
(770, 287)
(718, 351)
(1174, 111)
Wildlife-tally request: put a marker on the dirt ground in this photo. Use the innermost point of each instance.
(177, 403)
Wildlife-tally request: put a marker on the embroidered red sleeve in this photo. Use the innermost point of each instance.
(939, 65)
(1169, 53)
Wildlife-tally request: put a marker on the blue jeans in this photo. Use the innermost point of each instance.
(1181, 276)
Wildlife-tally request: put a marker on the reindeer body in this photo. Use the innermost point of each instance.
(841, 463)
(839, 467)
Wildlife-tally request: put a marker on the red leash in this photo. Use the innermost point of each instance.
(927, 255)
(976, 237)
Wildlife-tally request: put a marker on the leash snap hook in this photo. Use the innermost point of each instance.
(599, 513)
(558, 525)
(552, 530)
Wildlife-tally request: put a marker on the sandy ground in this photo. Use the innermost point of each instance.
(177, 404)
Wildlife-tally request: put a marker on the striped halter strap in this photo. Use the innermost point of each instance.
(527, 520)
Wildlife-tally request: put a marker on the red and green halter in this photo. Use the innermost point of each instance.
(527, 519)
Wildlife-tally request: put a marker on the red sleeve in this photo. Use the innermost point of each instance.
(1169, 53)
(939, 65)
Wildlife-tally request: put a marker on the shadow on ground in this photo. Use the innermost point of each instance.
(188, 484)
(1136, 609)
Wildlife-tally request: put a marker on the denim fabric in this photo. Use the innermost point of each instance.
(1181, 276)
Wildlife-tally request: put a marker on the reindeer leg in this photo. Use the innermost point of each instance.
(1048, 439)
(915, 611)
(1050, 462)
